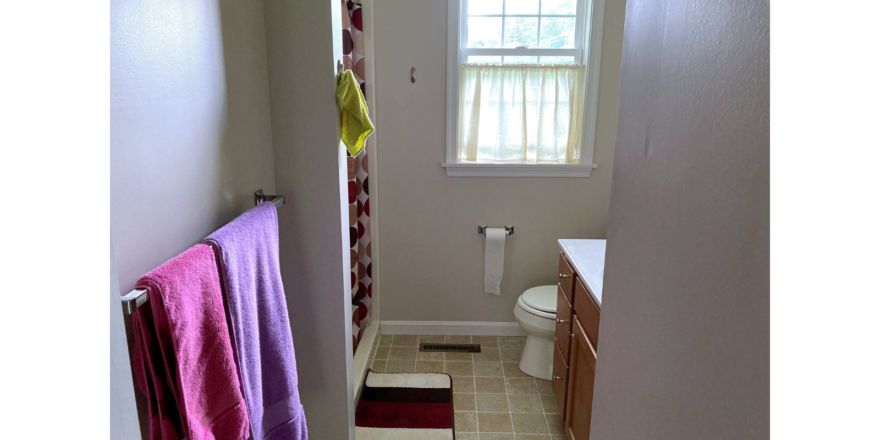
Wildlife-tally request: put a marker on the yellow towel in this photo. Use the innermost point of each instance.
(354, 119)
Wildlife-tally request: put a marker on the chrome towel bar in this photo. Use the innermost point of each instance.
(138, 297)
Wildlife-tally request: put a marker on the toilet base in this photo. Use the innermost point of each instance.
(537, 358)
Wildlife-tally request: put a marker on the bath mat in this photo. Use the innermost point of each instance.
(405, 406)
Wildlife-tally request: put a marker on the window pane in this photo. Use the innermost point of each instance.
(484, 32)
(521, 31)
(557, 33)
(484, 7)
(556, 7)
(521, 7)
(520, 60)
(556, 60)
(484, 60)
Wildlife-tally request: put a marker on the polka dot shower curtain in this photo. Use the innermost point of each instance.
(358, 192)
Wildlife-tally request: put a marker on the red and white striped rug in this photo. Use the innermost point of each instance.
(405, 406)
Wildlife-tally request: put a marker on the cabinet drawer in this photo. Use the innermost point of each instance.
(587, 311)
(563, 322)
(560, 379)
(566, 277)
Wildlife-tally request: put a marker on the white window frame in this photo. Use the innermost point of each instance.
(591, 52)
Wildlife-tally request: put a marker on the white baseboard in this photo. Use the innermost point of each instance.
(451, 328)
(363, 357)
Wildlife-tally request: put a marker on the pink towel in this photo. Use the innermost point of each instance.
(183, 358)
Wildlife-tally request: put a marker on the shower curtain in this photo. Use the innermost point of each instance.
(358, 192)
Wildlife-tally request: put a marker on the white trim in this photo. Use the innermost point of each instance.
(592, 57)
(452, 54)
(372, 158)
(452, 328)
(517, 170)
(363, 359)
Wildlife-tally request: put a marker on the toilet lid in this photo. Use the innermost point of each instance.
(541, 298)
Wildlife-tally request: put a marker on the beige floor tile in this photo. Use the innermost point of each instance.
(511, 341)
(385, 340)
(525, 403)
(554, 423)
(485, 341)
(492, 403)
(490, 385)
(429, 367)
(529, 423)
(467, 436)
(488, 369)
(458, 339)
(403, 353)
(462, 384)
(405, 341)
(511, 369)
(532, 437)
(460, 368)
(382, 352)
(544, 386)
(400, 367)
(432, 339)
(558, 437)
(548, 401)
(464, 402)
(494, 422)
(487, 355)
(520, 385)
(430, 355)
(495, 436)
(453, 356)
(465, 422)
(511, 354)
(379, 365)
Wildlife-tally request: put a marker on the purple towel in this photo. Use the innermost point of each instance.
(247, 255)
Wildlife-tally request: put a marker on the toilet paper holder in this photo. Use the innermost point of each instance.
(481, 229)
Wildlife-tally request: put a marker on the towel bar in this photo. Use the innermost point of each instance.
(138, 297)
(508, 229)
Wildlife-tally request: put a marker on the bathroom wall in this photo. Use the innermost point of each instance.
(304, 41)
(432, 256)
(685, 329)
(123, 410)
(190, 135)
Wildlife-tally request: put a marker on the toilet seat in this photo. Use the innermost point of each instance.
(539, 301)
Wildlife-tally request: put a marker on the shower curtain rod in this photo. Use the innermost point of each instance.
(138, 297)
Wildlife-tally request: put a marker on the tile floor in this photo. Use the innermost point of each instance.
(493, 399)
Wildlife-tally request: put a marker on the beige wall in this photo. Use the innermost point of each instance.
(685, 329)
(432, 256)
(190, 132)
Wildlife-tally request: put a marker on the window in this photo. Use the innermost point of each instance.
(522, 84)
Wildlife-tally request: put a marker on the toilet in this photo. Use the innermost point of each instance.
(535, 311)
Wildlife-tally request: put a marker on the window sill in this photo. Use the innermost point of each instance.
(517, 170)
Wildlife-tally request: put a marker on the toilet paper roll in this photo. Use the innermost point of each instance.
(494, 263)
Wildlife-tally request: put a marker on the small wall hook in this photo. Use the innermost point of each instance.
(412, 74)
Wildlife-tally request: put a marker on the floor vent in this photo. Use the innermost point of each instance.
(457, 348)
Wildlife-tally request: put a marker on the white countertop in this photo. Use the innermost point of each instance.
(588, 259)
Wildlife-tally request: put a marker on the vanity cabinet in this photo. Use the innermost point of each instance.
(574, 360)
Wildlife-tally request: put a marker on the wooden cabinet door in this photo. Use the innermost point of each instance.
(581, 374)
(587, 311)
(563, 323)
